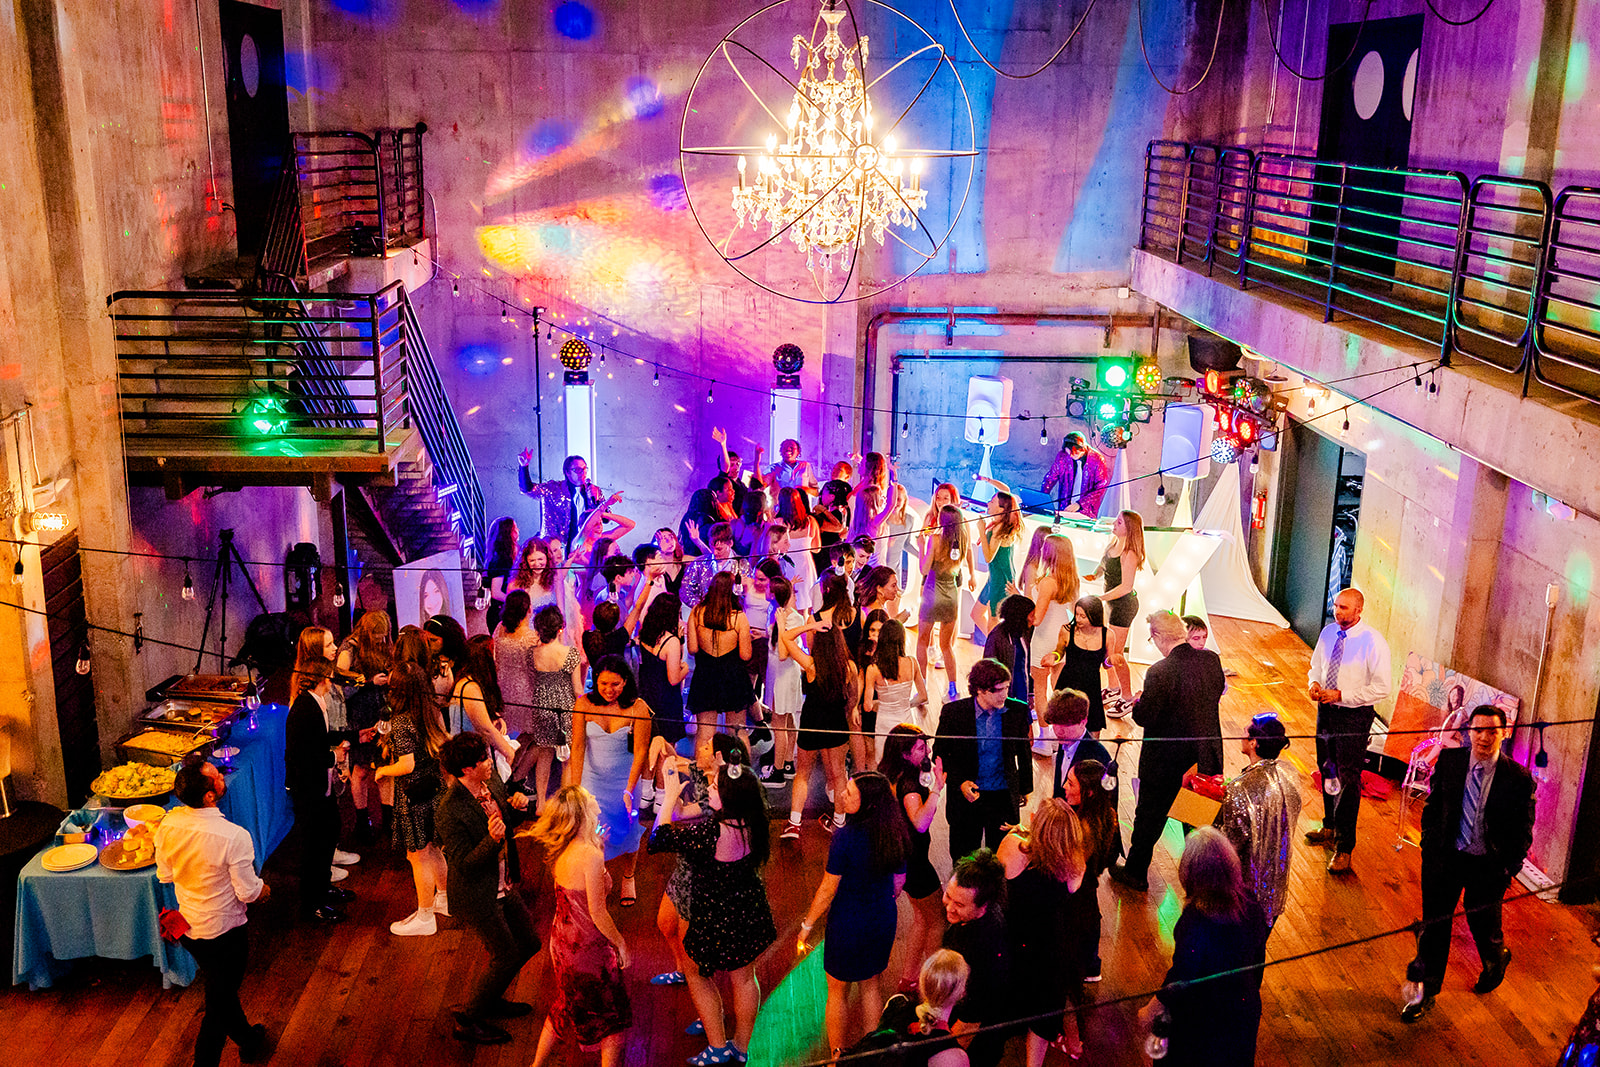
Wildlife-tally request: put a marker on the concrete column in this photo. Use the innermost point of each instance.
(1476, 527)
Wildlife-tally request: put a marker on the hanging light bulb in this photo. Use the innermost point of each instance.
(905, 428)
(188, 584)
(840, 413)
(709, 396)
(1255, 463)
(774, 397)
(16, 572)
(1044, 436)
(1161, 493)
(549, 333)
(252, 696)
(483, 599)
(83, 665)
(602, 355)
(455, 288)
(655, 379)
(1347, 418)
(338, 595)
(1109, 781)
(138, 632)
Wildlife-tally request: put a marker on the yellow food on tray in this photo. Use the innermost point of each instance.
(174, 744)
(134, 780)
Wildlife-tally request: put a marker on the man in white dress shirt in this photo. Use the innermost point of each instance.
(1349, 675)
(211, 865)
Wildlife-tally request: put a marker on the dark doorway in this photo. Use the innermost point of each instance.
(75, 715)
(1366, 120)
(1316, 534)
(258, 113)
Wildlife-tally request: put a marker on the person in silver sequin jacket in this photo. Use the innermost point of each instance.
(1259, 811)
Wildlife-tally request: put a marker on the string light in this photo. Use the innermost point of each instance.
(1044, 436)
(1161, 493)
(840, 413)
(1255, 463)
(655, 379)
(188, 583)
(709, 396)
(1347, 418)
(16, 572)
(83, 665)
(455, 288)
(505, 317)
(602, 355)
(338, 595)
(905, 428)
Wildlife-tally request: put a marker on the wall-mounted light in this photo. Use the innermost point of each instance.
(44, 521)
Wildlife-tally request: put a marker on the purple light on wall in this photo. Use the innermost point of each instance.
(574, 20)
(478, 359)
(302, 73)
(641, 98)
(549, 136)
(667, 192)
(369, 9)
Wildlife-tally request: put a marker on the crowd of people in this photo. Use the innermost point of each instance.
(646, 701)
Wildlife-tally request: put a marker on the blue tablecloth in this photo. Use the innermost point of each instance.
(116, 914)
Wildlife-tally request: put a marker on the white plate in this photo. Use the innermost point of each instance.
(226, 752)
(70, 857)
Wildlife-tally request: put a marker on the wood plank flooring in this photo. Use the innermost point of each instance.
(356, 995)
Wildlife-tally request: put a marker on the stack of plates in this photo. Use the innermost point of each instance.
(69, 857)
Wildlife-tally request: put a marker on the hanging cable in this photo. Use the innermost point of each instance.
(1222, 12)
(1043, 66)
(1302, 75)
(1448, 21)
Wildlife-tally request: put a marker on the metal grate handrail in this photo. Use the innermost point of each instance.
(1496, 269)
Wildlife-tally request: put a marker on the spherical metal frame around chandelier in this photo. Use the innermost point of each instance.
(872, 160)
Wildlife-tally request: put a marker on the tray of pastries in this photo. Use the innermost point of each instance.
(136, 850)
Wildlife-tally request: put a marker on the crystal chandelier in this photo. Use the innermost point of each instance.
(831, 175)
(828, 183)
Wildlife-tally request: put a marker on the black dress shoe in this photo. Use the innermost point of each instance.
(1412, 1012)
(1493, 974)
(326, 915)
(508, 1009)
(479, 1032)
(1122, 876)
(339, 895)
(1322, 837)
(258, 1047)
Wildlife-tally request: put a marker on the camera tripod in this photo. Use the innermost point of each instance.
(227, 557)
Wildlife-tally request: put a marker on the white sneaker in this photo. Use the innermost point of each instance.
(418, 924)
(345, 859)
(337, 874)
(441, 904)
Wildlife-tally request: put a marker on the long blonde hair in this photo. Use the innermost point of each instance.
(1061, 563)
(568, 816)
(1133, 540)
(952, 536)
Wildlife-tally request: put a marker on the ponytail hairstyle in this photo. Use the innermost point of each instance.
(941, 984)
(518, 604)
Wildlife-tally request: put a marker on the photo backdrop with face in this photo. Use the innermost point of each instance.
(429, 586)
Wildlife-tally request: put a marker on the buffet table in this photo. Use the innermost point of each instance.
(99, 912)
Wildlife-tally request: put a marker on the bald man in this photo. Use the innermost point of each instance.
(1349, 675)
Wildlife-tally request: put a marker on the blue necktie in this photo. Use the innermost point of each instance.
(1467, 837)
(1333, 661)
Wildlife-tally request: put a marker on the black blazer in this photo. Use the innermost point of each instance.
(1088, 749)
(960, 752)
(308, 747)
(1507, 810)
(1182, 697)
(474, 857)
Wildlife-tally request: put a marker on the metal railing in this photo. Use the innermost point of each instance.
(344, 193)
(290, 375)
(1495, 269)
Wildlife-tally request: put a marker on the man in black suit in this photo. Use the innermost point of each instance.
(308, 773)
(1180, 702)
(1476, 830)
(471, 825)
(1066, 718)
(983, 741)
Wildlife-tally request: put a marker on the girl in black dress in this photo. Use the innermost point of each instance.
(1080, 653)
(416, 733)
(502, 559)
(1044, 867)
(1102, 844)
(830, 683)
(917, 782)
(663, 666)
(730, 920)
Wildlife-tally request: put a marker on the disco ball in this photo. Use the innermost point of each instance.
(1116, 437)
(788, 359)
(575, 355)
(1224, 449)
(1252, 394)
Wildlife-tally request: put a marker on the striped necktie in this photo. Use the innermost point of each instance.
(1467, 837)
(1334, 658)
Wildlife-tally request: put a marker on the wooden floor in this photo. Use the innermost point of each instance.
(357, 996)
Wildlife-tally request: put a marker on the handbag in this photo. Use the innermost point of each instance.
(423, 789)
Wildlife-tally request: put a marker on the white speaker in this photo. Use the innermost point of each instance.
(988, 410)
(1186, 441)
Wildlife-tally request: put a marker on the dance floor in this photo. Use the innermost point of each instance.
(356, 995)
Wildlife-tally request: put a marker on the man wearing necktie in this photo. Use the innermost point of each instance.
(1476, 830)
(1349, 675)
(564, 503)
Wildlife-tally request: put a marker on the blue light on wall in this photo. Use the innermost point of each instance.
(574, 20)
(641, 98)
(478, 359)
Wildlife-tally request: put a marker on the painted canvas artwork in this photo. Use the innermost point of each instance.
(1436, 699)
(429, 586)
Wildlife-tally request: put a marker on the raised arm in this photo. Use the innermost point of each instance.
(477, 712)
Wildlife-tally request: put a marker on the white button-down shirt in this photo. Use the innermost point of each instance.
(1363, 665)
(211, 864)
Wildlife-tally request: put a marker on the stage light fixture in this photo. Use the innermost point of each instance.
(1224, 449)
(1148, 377)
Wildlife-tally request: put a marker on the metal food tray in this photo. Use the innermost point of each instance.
(129, 752)
(192, 717)
(217, 688)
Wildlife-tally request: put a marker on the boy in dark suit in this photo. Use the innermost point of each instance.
(983, 741)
